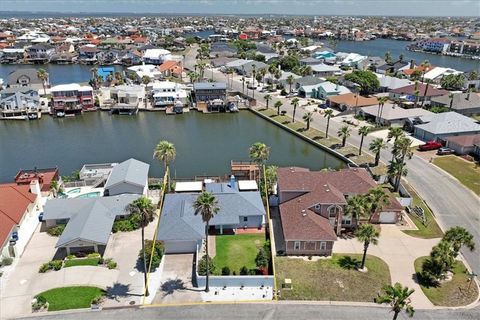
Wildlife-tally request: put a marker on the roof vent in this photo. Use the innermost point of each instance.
(328, 190)
(304, 213)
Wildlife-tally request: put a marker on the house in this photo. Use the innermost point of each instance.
(438, 45)
(25, 78)
(439, 126)
(145, 70)
(127, 96)
(466, 144)
(40, 53)
(211, 94)
(222, 49)
(88, 53)
(325, 56)
(165, 93)
(467, 104)
(312, 206)
(322, 90)
(408, 93)
(130, 176)
(393, 67)
(12, 55)
(71, 98)
(44, 176)
(171, 68)
(309, 61)
(88, 221)
(371, 63)
(156, 56)
(247, 68)
(325, 70)
(182, 231)
(221, 61)
(392, 115)
(352, 59)
(17, 101)
(350, 101)
(304, 81)
(436, 74)
(19, 204)
(388, 83)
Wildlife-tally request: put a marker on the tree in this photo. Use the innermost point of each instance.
(271, 177)
(398, 298)
(56, 188)
(201, 66)
(343, 133)
(426, 66)
(278, 104)
(328, 114)
(459, 237)
(416, 94)
(308, 118)
(376, 198)
(94, 79)
(400, 151)
(394, 133)
(207, 206)
(143, 207)
(367, 234)
(363, 131)
(259, 153)
(376, 147)
(397, 169)
(332, 43)
(193, 76)
(165, 151)
(146, 80)
(367, 80)
(357, 207)
(267, 98)
(294, 103)
(43, 75)
(453, 82)
(401, 57)
(290, 81)
(388, 57)
(381, 103)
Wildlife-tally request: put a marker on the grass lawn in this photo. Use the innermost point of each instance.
(453, 293)
(71, 297)
(236, 251)
(463, 170)
(332, 279)
(431, 230)
(81, 262)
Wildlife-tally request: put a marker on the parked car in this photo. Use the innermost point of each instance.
(15, 236)
(444, 151)
(430, 145)
(40, 217)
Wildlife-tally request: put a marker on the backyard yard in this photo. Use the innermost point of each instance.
(71, 297)
(237, 251)
(332, 279)
(468, 173)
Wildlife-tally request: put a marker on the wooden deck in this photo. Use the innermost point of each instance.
(245, 169)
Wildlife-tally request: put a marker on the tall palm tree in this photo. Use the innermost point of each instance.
(450, 96)
(55, 187)
(394, 133)
(243, 84)
(290, 81)
(363, 131)
(165, 151)
(416, 93)
(201, 66)
(426, 67)
(143, 207)
(458, 237)
(376, 198)
(343, 133)
(388, 57)
(328, 114)
(278, 104)
(267, 98)
(207, 206)
(398, 298)
(259, 153)
(43, 75)
(367, 234)
(381, 103)
(94, 79)
(397, 169)
(357, 207)
(376, 147)
(193, 76)
(308, 118)
(294, 103)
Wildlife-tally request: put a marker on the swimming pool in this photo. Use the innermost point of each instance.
(90, 195)
(76, 190)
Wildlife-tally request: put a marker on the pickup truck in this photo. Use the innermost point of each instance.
(430, 145)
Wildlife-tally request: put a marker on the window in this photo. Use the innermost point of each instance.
(317, 207)
(333, 211)
(347, 220)
(245, 219)
(296, 245)
(323, 246)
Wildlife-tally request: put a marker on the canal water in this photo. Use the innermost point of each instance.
(205, 142)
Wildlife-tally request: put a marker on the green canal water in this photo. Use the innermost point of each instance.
(205, 142)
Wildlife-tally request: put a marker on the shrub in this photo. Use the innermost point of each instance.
(243, 271)
(39, 303)
(71, 256)
(97, 300)
(262, 260)
(93, 255)
(122, 225)
(283, 92)
(252, 272)
(56, 231)
(56, 264)
(202, 266)
(6, 261)
(111, 264)
(44, 267)
(157, 254)
(225, 271)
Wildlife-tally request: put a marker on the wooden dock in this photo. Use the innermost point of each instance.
(245, 169)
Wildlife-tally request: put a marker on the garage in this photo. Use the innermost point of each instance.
(180, 246)
(388, 217)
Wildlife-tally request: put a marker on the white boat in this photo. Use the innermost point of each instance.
(60, 114)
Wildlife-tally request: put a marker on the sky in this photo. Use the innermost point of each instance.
(297, 7)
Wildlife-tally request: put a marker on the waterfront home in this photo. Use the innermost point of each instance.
(407, 93)
(40, 53)
(309, 61)
(145, 70)
(17, 102)
(44, 176)
(439, 126)
(467, 104)
(171, 68)
(350, 101)
(210, 95)
(393, 67)
(350, 59)
(466, 144)
(71, 99)
(465, 47)
(12, 55)
(472, 80)
(438, 45)
(183, 231)
(130, 176)
(95, 174)
(88, 221)
(88, 54)
(388, 83)
(25, 78)
(19, 205)
(391, 114)
(436, 74)
(325, 70)
(165, 93)
(325, 56)
(322, 90)
(156, 56)
(312, 207)
(126, 98)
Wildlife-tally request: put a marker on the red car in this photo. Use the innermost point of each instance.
(430, 145)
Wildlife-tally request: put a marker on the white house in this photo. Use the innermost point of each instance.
(165, 93)
(148, 70)
(156, 56)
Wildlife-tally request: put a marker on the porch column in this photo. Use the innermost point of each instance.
(221, 229)
(95, 247)
(68, 250)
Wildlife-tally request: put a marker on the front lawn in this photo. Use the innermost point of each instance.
(81, 262)
(332, 279)
(237, 251)
(466, 172)
(453, 293)
(71, 297)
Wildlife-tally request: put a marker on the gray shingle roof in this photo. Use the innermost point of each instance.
(210, 85)
(448, 122)
(90, 219)
(130, 171)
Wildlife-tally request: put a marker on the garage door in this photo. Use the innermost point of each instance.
(388, 217)
(180, 246)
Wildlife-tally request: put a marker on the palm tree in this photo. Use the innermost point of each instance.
(201, 66)
(308, 118)
(398, 298)
(344, 133)
(207, 206)
(55, 187)
(416, 94)
(426, 66)
(388, 57)
(381, 103)
(394, 133)
(94, 79)
(278, 104)
(376, 147)
(376, 198)
(458, 237)
(294, 103)
(42, 75)
(363, 131)
(165, 151)
(193, 76)
(143, 207)
(367, 234)
(397, 169)
(267, 98)
(328, 114)
(146, 80)
(451, 101)
(357, 207)
(290, 81)
(243, 84)
(259, 153)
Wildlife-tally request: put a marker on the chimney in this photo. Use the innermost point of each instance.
(412, 64)
(35, 187)
(233, 183)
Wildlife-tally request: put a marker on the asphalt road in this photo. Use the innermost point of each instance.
(452, 203)
(264, 311)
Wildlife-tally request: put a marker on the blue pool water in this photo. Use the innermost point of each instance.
(89, 195)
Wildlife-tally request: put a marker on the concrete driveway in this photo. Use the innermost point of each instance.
(399, 251)
(176, 280)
